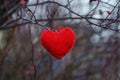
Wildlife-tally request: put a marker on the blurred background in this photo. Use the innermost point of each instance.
(95, 56)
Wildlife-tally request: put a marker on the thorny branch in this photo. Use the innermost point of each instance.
(88, 17)
(32, 57)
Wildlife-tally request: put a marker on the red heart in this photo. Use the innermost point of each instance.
(58, 43)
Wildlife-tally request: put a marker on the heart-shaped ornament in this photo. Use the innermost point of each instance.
(58, 43)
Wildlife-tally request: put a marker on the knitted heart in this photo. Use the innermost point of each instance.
(58, 43)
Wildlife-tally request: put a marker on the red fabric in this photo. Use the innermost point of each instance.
(58, 43)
